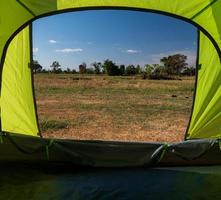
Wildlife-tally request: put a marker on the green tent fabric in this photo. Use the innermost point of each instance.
(33, 167)
(206, 117)
(18, 115)
(17, 105)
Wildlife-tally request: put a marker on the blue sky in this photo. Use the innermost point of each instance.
(126, 37)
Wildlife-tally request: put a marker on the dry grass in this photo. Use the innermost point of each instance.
(114, 108)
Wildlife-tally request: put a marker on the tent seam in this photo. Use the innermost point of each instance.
(205, 8)
(26, 8)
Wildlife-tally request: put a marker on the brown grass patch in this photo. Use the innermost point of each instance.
(115, 108)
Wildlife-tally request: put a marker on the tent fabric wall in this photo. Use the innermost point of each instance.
(15, 15)
(19, 12)
(207, 116)
(18, 109)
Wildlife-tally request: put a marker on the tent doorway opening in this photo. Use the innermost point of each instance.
(114, 75)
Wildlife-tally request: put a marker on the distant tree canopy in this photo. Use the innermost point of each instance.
(189, 71)
(170, 67)
(83, 68)
(36, 67)
(70, 71)
(90, 70)
(138, 69)
(97, 67)
(56, 67)
(130, 70)
(154, 71)
(174, 64)
(111, 68)
(122, 69)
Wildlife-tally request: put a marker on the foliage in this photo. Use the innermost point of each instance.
(83, 68)
(170, 67)
(54, 125)
(130, 70)
(97, 67)
(138, 69)
(56, 67)
(44, 71)
(155, 71)
(122, 69)
(111, 68)
(148, 69)
(67, 71)
(189, 71)
(174, 64)
(73, 71)
(90, 71)
(36, 67)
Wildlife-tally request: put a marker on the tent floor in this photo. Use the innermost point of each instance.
(37, 168)
(103, 183)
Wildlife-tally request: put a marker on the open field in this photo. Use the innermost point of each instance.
(113, 108)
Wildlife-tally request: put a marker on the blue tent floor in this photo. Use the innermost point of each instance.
(25, 182)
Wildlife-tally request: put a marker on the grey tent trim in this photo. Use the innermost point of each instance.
(40, 151)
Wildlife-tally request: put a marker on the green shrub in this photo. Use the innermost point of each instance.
(53, 125)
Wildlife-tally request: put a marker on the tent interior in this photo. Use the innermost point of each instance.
(20, 140)
(18, 104)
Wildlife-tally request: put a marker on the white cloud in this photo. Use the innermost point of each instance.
(68, 50)
(191, 56)
(52, 41)
(131, 51)
(35, 50)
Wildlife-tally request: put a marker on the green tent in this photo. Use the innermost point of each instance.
(19, 124)
(21, 144)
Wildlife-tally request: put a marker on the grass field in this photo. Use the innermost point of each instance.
(113, 108)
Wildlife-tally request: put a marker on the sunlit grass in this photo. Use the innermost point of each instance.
(104, 107)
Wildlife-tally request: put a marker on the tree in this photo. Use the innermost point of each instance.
(36, 67)
(158, 69)
(154, 71)
(174, 64)
(138, 69)
(122, 70)
(73, 71)
(189, 71)
(110, 68)
(67, 71)
(83, 68)
(56, 67)
(130, 70)
(90, 70)
(44, 71)
(97, 67)
(148, 69)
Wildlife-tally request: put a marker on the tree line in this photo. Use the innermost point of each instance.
(170, 66)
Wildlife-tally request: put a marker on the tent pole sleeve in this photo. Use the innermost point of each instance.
(196, 82)
(32, 77)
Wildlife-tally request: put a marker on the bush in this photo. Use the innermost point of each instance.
(90, 71)
(83, 68)
(111, 68)
(130, 70)
(53, 125)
